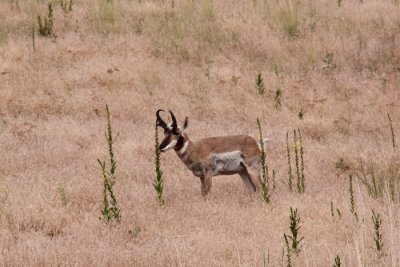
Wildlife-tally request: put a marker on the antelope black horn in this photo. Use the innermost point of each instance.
(160, 120)
(174, 125)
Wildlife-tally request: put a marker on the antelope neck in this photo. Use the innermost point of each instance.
(181, 146)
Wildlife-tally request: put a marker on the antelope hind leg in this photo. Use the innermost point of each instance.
(247, 178)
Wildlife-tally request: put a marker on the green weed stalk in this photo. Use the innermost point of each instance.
(264, 167)
(111, 210)
(294, 229)
(159, 180)
(45, 25)
(377, 221)
(260, 84)
(352, 202)
(290, 175)
(392, 131)
(337, 262)
(288, 251)
(301, 184)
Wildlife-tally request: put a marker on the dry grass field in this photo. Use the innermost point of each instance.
(329, 68)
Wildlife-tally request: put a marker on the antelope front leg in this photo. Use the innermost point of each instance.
(206, 182)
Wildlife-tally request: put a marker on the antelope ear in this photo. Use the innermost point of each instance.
(185, 124)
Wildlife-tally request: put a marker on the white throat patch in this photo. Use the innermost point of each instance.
(183, 149)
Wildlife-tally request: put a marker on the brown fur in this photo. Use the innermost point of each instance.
(199, 158)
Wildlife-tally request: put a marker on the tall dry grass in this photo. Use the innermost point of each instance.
(199, 59)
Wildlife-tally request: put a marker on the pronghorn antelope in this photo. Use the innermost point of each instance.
(213, 156)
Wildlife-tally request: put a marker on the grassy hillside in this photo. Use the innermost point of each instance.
(328, 68)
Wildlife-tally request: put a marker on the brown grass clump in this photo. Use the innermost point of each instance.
(337, 65)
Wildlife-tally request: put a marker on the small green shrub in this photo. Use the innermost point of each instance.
(337, 262)
(294, 229)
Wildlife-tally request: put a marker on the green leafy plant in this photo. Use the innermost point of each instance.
(111, 210)
(294, 229)
(337, 262)
(158, 181)
(377, 221)
(45, 25)
(264, 167)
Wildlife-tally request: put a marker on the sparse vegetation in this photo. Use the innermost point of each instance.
(328, 60)
(337, 262)
(392, 132)
(290, 176)
(288, 251)
(111, 210)
(200, 59)
(294, 229)
(352, 201)
(380, 177)
(159, 180)
(264, 167)
(45, 25)
(63, 195)
(377, 221)
(285, 17)
(135, 231)
(299, 160)
(66, 6)
(260, 84)
(335, 213)
(278, 99)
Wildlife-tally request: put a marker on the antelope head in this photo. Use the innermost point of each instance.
(173, 133)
